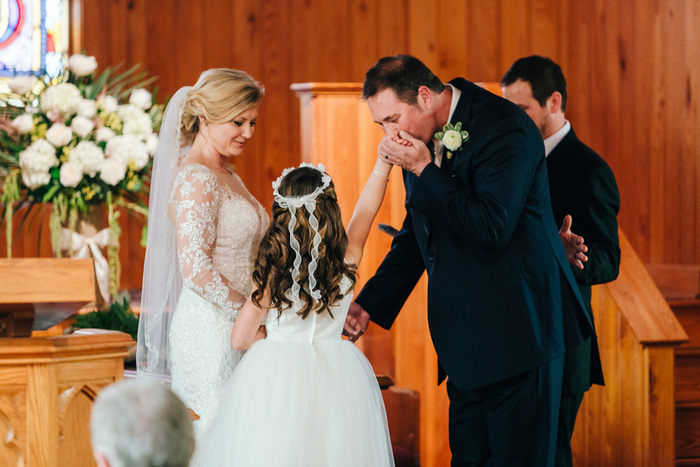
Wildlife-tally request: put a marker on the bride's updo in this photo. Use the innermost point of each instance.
(219, 95)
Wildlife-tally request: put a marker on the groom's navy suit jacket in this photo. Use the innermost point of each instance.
(501, 295)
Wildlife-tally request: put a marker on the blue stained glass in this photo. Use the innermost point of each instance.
(31, 37)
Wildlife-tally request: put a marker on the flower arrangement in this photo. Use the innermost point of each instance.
(78, 141)
(452, 136)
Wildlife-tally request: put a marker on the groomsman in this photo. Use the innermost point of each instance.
(582, 185)
(502, 301)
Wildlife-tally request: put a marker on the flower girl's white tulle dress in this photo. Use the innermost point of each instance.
(301, 397)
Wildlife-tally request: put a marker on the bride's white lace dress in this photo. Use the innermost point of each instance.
(219, 228)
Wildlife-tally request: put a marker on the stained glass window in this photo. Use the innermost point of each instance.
(33, 37)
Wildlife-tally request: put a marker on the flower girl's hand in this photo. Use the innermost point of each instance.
(356, 322)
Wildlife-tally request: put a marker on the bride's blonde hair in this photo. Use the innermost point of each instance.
(219, 96)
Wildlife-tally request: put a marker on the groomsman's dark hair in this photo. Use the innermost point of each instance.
(403, 74)
(544, 76)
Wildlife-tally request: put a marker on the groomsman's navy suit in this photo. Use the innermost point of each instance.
(582, 184)
(502, 299)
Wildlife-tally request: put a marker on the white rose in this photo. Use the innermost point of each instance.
(22, 84)
(88, 155)
(128, 149)
(152, 144)
(108, 103)
(61, 101)
(35, 179)
(112, 171)
(82, 126)
(82, 65)
(59, 135)
(71, 174)
(452, 140)
(40, 156)
(141, 98)
(104, 134)
(23, 124)
(138, 126)
(87, 108)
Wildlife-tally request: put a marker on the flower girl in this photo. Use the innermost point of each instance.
(303, 396)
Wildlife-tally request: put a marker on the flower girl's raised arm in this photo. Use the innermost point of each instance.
(366, 210)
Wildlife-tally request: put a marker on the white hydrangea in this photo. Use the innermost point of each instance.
(82, 126)
(129, 112)
(108, 103)
(104, 134)
(71, 174)
(112, 170)
(89, 156)
(35, 162)
(61, 101)
(82, 65)
(35, 179)
(59, 134)
(22, 84)
(152, 144)
(141, 98)
(87, 108)
(128, 149)
(23, 124)
(139, 126)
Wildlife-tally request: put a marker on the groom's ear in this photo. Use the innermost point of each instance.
(424, 98)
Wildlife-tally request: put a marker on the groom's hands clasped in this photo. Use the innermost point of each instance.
(405, 151)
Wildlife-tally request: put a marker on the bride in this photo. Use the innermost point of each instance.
(204, 229)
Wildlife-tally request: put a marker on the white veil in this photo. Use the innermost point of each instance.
(162, 281)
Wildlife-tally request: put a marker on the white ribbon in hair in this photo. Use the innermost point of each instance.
(292, 204)
(84, 247)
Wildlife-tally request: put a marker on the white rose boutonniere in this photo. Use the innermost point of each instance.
(452, 136)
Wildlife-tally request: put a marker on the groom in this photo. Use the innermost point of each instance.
(502, 302)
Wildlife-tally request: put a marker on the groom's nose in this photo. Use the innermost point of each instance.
(391, 129)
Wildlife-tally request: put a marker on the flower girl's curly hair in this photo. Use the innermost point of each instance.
(274, 263)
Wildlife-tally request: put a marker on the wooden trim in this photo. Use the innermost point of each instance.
(326, 88)
(641, 302)
(46, 280)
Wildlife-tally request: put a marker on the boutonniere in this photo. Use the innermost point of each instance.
(452, 136)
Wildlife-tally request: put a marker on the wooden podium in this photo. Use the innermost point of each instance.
(48, 383)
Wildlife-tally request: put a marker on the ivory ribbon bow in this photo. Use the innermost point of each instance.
(84, 247)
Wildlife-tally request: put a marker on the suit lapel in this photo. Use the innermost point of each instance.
(461, 114)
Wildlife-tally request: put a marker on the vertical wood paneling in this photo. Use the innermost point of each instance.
(633, 72)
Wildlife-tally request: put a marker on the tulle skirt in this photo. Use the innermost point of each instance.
(300, 404)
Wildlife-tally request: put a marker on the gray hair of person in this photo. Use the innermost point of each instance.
(141, 423)
(543, 74)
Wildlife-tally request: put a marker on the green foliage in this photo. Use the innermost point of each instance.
(117, 317)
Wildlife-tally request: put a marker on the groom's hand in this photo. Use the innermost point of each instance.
(405, 151)
(356, 322)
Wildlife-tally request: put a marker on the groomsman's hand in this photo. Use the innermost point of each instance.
(573, 244)
(356, 322)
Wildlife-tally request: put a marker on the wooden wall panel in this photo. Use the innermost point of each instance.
(643, 121)
(633, 71)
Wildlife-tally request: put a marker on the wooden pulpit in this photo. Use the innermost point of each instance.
(48, 383)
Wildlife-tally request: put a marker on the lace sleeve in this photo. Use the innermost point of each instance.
(195, 197)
